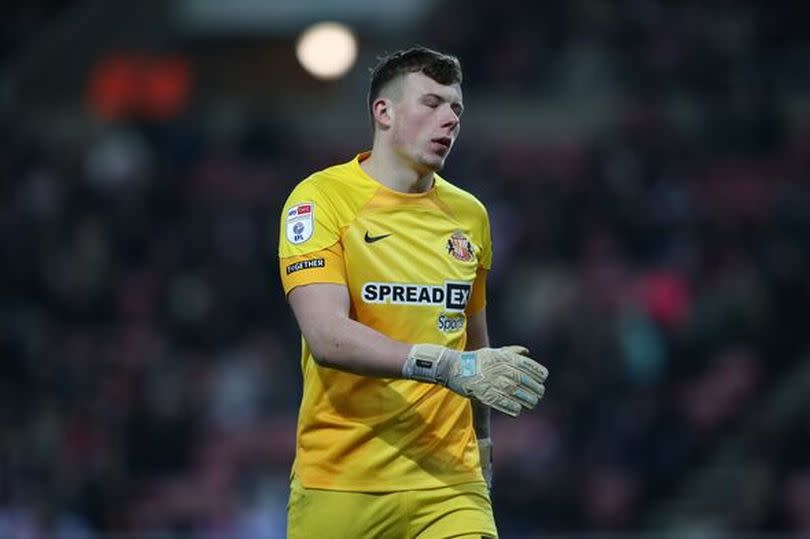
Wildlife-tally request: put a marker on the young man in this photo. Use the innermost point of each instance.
(384, 264)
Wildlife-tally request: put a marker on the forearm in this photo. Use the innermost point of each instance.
(345, 344)
(337, 341)
(504, 378)
(478, 337)
(481, 414)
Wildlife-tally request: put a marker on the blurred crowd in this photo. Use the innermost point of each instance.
(149, 379)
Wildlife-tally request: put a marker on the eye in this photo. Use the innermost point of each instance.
(431, 100)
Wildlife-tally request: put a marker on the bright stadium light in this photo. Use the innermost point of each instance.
(327, 50)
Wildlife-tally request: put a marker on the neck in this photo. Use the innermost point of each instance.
(394, 172)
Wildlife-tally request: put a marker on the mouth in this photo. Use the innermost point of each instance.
(443, 142)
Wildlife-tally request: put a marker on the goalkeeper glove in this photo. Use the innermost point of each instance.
(504, 378)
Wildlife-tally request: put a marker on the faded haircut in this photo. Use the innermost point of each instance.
(443, 68)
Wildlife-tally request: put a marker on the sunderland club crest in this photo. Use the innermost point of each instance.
(460, 247)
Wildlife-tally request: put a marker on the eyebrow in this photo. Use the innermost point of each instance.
(459, 104)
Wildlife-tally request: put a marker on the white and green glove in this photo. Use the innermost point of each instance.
(506, 379)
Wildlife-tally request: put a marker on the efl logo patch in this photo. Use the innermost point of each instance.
(460, 247)
(300, 222)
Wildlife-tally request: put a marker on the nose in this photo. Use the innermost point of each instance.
(450, 119)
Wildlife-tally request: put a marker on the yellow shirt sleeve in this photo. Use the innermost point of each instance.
(485, 259)
(325, 266)
(478, 297)
(309, 247)
(308, 222)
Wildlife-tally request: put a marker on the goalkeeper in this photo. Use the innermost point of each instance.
(384, 264)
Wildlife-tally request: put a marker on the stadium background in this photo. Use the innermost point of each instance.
(646, 168)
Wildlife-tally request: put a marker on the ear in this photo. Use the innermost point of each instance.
(383, 111)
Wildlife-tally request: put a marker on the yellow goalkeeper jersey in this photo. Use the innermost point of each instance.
(415, 267)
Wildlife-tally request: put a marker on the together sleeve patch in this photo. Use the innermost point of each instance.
(306, 264)
(324, 266)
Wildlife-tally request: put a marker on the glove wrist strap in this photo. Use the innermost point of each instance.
(428, 363)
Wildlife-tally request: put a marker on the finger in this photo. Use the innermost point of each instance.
(527, 382)
(504, 404)
(527, 399)
(533, 368)
(510, 379)
(515, 349)
(519, 356)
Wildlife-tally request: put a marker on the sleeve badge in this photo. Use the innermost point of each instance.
(300, 222)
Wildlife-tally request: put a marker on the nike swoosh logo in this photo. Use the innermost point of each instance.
(372, 239)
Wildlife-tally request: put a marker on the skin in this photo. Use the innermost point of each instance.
(410, 114)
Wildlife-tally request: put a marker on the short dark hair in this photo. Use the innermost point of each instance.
(443, 68)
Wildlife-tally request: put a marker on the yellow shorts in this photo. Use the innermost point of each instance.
(458, 511)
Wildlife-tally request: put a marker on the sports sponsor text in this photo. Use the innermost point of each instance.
(454, 296)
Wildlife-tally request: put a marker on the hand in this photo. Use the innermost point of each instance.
(503, 378)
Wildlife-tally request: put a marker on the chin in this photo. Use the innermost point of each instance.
(433, 162)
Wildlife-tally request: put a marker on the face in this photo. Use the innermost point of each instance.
(425, 121)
